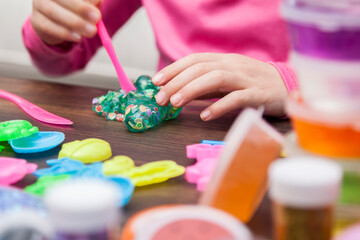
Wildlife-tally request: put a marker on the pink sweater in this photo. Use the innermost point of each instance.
(249, 27)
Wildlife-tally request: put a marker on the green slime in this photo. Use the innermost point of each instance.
(138, 109)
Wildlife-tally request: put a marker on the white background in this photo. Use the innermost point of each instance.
(134, 44)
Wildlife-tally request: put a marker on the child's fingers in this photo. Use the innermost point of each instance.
(211, 82)
(234, 100)
(184, 78)
(86, 10)
(67, 19)
(169, 72)
(50, 28)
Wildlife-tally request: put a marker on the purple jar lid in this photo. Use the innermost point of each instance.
(327, 33)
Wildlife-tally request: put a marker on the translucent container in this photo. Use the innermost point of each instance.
(329, 86)
(239, 181)
(325, 29)
(304, 191)
(84, 209)
(327, 134)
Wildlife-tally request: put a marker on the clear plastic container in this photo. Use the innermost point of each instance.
(84, 209)
(327, 134)
(329, 86)
(324, 29)
(239, 181)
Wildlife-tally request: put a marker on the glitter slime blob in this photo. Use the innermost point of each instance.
(138, 109)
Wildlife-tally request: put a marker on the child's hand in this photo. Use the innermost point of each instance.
(239, 80)
(56, 21)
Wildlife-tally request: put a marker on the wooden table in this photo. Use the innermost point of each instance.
(165, 142)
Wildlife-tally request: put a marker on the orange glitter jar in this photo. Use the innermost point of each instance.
(328, 134)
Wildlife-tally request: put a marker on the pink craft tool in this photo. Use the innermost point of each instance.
(34, 111)
(206, 156)
(125, 82)
(13, 169)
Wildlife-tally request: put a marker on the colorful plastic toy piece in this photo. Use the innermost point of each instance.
(38, 142)
(87, 150)
(206, 156)
(13, 169)
(15, 200)
(212, 142)
(1, 148)
(350, 233)
(137, 108)
(149, 173)
(76, 169)
(16, 129)
(117, 165)
(59, 167)
(44, 183)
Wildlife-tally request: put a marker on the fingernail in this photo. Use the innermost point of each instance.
(76, 35)
(160, 97)
(176, 99)
(90, 29)
(94, 16)
(205, 115)
(157, 78)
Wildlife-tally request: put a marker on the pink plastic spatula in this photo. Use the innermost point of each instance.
(125, 82)
(35, 111)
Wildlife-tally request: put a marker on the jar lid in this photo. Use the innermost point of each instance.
(327, 15)
(82, 205)
(305, 182)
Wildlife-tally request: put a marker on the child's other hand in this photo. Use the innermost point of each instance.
(56, 21)
(240, 81)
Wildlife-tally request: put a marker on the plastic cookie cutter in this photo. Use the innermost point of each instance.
(149, 173)
(16, 129)
(75, 169)
(59, 167)
(178, 222)
(13, 170)
(45, 182)
(206, 156)
(38, 142)
(239, 181)
(87, 150)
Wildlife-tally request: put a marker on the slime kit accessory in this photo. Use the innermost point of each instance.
(13, 170)
(34, 111)
(239, 181)
(83, 209)
(44, 183)
(350, 233)
(177, 222)
(87, 150)
(61, 169)
(125, 82)
(16, 129)
(206, 156)
(138, 109)
(38, 142)
(146, 174)
(304, 191)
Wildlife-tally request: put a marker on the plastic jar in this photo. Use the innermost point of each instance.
(328, 134)
(83, 209)
(304, 192)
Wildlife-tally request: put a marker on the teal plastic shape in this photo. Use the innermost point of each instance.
(38, 142)
(16, 129)
(138, 109)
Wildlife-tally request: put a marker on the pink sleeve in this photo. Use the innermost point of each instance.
(69, 57)
(287, 74)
